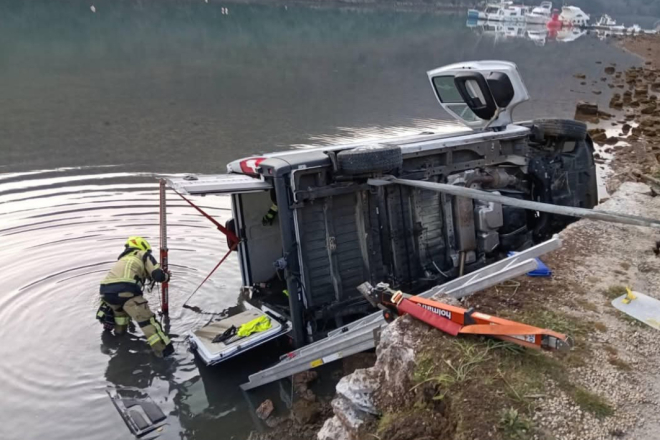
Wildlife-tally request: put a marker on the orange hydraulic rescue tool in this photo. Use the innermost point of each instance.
(456, 320)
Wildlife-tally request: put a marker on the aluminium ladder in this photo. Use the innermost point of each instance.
(359, 335)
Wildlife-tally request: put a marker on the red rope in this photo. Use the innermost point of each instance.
(232, 237)
(231, 249)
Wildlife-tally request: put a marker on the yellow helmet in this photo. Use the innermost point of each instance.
(138, 243)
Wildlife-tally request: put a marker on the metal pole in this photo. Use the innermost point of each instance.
(525, 204)
(164, 263)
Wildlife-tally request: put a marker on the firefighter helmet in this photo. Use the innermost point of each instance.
(138, 243)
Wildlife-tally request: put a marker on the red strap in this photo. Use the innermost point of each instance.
(231, 249)
(444, 324)
(232, 237)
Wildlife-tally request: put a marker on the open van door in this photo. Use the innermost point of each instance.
(217, 184)
(479, 94)
(222, 339)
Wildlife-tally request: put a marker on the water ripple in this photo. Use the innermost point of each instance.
(59, 236)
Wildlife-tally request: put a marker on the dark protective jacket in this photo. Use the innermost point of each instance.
(131, 272)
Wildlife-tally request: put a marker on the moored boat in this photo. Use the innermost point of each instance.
(608, 23)
(540, 14)
(504, 11)
(573, 16)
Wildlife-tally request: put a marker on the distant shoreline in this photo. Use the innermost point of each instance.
(416, 5)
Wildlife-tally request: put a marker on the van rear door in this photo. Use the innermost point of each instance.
(217, 184)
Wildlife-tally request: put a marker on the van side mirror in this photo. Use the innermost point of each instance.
(474, 90)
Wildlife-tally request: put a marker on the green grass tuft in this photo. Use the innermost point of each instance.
(615, 291)
(619, 364)
(592, 402)
(514, 425)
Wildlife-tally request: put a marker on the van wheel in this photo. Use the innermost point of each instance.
(370, 159)
(562, 128)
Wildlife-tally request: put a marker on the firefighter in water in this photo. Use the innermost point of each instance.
(121, 295)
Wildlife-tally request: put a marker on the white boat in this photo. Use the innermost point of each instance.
(505, 11)
(540, 14)
(608, 23)
(573, 16)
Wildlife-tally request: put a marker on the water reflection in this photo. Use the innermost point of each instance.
(539, 34)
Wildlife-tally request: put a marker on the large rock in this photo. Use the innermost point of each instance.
(586, 109)
(627, 96)
(274, 422)
(301, 381)
(396, 353)
(598, 135)
(304, 412)
(649, 109)
(305, 377)
(359, 389)
(352, 418)
(265, 409)
(616, 102)
(647, 122)
(333, 429)
(355, 404)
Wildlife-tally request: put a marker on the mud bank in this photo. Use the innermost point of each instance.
(628, 132)
(426, 385)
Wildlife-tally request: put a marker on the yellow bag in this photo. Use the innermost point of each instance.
(255, 326)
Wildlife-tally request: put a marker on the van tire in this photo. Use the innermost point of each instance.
(372, 158)
(566, 129)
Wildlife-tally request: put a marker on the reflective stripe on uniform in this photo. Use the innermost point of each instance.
(153, 339)
(122, 320)
(130, 261)
(127, 275)
(159, 331)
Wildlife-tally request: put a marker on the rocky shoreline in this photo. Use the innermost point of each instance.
(425, 385)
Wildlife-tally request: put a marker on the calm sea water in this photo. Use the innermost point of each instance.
(94, 106)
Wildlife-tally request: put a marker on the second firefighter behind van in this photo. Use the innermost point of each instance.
(121, 294)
